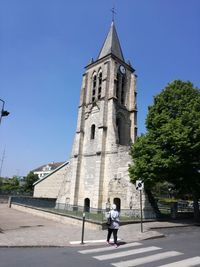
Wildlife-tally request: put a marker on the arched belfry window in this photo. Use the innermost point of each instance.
(120, 92)
(99, 84)
(92, 135)
(94, 86)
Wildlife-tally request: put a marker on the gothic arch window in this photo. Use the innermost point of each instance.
(92, 135)
(94, 85)
(120, 92)
(99, 84)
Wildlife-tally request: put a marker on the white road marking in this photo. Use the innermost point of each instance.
(91, 241)
(125, 253)
(107, 248)
(147, 259)
(184, 263)
(87, 241)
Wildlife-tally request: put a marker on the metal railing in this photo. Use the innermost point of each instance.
(96, 215)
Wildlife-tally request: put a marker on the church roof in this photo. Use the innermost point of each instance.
(111, 44)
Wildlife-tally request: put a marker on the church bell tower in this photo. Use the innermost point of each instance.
(106, 127)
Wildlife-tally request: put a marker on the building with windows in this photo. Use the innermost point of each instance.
(46, 169)
(97, 172)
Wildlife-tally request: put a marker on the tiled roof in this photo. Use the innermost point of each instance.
(53, 166)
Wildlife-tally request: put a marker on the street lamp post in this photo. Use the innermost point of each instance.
(3, 112)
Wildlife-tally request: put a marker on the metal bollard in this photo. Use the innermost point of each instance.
(83, 229)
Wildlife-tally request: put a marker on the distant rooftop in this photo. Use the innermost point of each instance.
(48, 167)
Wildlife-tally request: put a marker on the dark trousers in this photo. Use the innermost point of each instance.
(114, 231)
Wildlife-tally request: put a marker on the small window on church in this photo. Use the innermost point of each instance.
(92, 136)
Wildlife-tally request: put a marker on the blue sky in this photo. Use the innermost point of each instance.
(44, 47)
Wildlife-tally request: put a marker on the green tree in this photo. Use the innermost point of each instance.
(170, 149)
(9, 185)
(29, 180)
(1, 183)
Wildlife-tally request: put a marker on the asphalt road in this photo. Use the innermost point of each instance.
(180, 246)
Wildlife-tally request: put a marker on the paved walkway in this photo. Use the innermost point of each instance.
(19, 228)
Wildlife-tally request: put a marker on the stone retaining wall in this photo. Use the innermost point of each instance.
(57, 217)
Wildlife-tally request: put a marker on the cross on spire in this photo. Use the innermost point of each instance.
(113, 13)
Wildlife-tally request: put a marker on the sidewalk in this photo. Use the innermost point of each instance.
(18, 228)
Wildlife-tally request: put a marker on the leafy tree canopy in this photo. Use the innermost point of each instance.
(29, 180)
(170, 149)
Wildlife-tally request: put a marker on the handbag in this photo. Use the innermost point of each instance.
(109, 221)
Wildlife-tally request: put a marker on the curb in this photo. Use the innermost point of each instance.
(155, 237)
(78, 245)
(172, 226)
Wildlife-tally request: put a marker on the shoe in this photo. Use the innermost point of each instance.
(116, 246)
(107, 242)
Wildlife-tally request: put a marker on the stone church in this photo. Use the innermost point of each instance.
(96, 174)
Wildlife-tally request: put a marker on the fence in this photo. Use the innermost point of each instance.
(174, 210)
(48, 203)
(167, 210)
(96, 215)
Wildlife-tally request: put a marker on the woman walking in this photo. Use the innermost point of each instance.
(114, 225)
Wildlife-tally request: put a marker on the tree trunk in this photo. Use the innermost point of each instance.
(196, 207)
(153, 203)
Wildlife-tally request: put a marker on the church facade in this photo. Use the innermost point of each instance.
(107, 125)
(96, 175)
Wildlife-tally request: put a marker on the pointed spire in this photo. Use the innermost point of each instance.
(111, 44)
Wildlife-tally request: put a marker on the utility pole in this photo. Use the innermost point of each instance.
(3, 156)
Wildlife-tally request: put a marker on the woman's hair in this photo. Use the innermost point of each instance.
(114, 206)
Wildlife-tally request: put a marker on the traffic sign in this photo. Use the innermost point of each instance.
(139, 185)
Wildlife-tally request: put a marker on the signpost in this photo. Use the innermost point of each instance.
(83, 228)
(139, 186)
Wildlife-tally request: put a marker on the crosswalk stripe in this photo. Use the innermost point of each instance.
(107, 248)
(125, 253)
(87, 241)
(91, 241)
(147, 259)
(184, 263)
